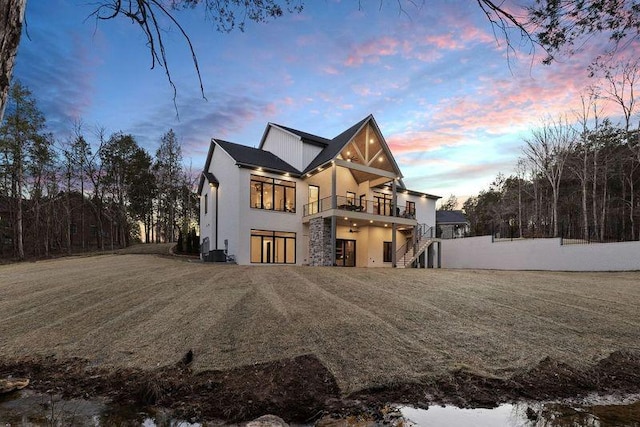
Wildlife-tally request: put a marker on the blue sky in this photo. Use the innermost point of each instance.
(451, 101)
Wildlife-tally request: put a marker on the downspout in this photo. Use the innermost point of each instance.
(216, 226)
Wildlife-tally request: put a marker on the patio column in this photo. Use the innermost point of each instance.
(333, 240)
(334, 203)
(394, 200)
(333, 217)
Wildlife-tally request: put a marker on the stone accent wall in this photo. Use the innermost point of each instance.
(320, 242)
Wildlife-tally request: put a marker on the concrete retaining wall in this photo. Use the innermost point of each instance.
(539, 254)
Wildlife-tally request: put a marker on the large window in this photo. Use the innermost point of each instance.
(273, 194)
(273, 247)
(386, 251)
(382, 203)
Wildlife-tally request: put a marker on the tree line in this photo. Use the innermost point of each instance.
(89, 191)
(578, 176)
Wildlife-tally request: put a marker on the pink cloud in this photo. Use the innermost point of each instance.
(423, 141)
(365, 91)
(444, 41)
(371, 51)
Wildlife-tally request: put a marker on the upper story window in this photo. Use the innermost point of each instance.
(206, 204)
(273, 194)
(410, 210)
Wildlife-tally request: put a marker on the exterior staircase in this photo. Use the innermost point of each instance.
(408, 253)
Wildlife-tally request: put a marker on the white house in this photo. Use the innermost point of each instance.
(302, 199)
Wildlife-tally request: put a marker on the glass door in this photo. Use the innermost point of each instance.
(345, 253)
(314, 198)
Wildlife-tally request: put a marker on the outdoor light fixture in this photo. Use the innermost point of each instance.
(386, 225)
(371, 221)
(380, 159)
(345, 218)
(355, 225)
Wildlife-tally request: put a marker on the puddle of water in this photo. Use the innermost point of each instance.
(27, 408)
(535, 414)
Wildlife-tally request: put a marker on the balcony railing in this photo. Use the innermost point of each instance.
(349, 204)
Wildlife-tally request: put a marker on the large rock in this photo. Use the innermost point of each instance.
(12, 384)
(267, 421)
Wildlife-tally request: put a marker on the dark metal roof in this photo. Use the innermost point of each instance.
(254, 157)
(306, 137)
(451, 217)
(336, 144)
(211, 178)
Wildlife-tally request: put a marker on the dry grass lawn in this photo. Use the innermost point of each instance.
(368, 326)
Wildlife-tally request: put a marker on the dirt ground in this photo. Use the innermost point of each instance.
(352, 335)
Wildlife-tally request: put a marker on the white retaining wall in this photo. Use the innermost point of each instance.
(539, 254)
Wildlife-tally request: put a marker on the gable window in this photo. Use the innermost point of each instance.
(273, 194)
(386, 251)
(206, 203)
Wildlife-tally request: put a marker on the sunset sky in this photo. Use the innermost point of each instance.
(453, 106)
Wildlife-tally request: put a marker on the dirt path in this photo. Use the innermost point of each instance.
(367, 327)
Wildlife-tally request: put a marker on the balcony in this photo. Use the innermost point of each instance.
(346, 206)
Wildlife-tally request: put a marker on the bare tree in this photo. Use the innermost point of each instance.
(11, 18)
(548, 148)
(588, 113)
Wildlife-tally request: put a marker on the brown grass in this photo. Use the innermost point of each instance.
(368, 326)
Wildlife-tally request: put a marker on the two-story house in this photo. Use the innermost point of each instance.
(303, 199)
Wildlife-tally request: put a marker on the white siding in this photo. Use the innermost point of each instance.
(207, 222)
(309, 152)
(226, 171)
(286, 146)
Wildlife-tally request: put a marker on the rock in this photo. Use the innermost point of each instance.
(187, 358)
(12, 384)
(267, 421)
(531, 414)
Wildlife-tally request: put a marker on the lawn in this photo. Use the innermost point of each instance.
(367, 326)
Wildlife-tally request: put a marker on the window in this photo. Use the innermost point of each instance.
(273, 194)
(206, 203)
(410, 210)
(314, 198)
(351, 198)
(273, 247)
(386, 252)
(382, 203)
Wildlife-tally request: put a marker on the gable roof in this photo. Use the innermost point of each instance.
(336, 144)
(254, 157)
(451, 217)
(305, 136)
(211, 178)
